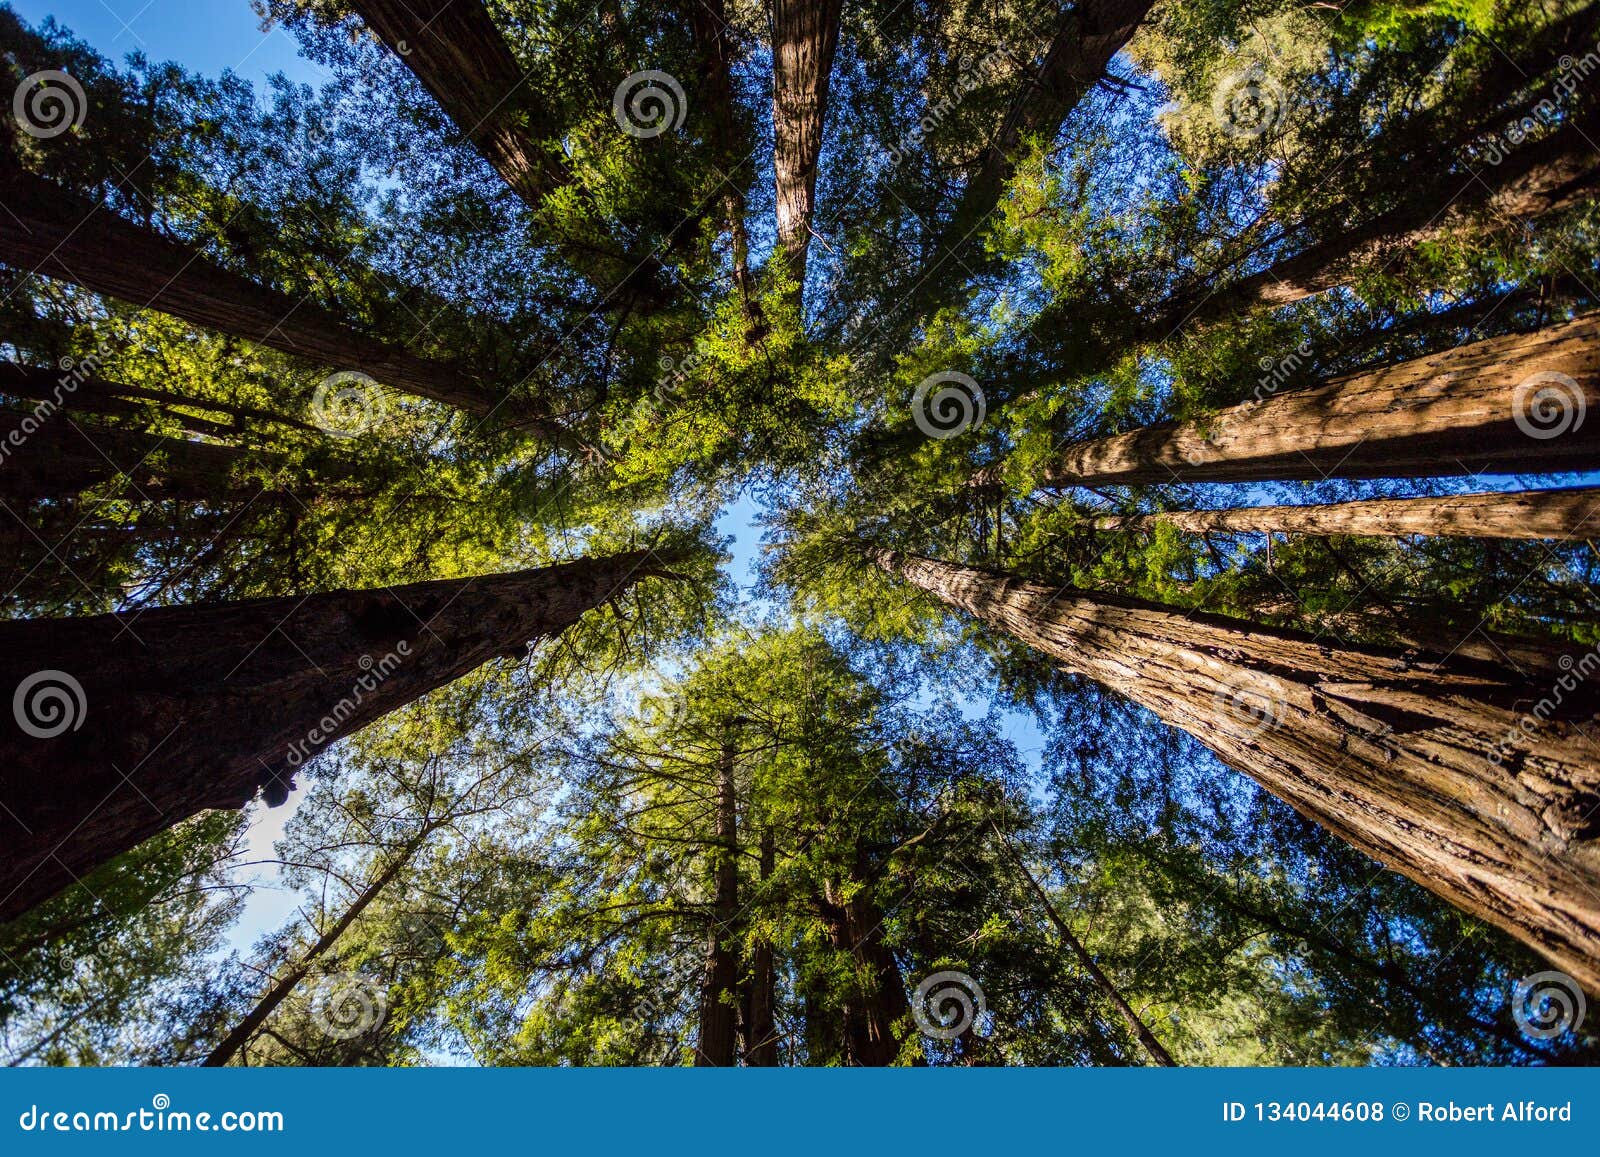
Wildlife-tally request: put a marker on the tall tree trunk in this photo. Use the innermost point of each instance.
(70, 391)
(877, 1013)
(708, 20)
(1480, 787)
(57, 457)
(804, 39)
(1086, 37)
(122, 725)
(760, 1025)
(719, 985)
(1508, 405)
(48, 230)
(1549, 175)
(1104, 983)
(280, 988)
(455, 50)
(1569, 514)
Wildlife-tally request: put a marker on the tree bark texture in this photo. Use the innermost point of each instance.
(1479, 786)
(122, 725)
(1571, 514)
(1507, 405)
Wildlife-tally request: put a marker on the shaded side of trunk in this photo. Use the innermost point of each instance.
(58, 456)
(126, 724)
(761, 986)
(280, 989)
(51, 231)
(708, 21)
(877, 1014)
(73, 391)
(1508, 405)
(1480, 787)
(455, 50)
(804, 39)
(1531, 657)
(1087, 36)
(719, 984)
(1565, 514)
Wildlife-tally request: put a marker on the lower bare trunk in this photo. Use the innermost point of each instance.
(719, 986)
(1480, 787)
(123, 725)
(760, 1004)
(877, 1015)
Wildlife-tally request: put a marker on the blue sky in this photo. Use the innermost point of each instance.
(208, 36)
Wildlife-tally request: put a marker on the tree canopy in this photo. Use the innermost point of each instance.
(916, 532)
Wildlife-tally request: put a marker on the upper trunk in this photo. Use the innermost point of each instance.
(126, 724)
(51, 231)
(1087, 36)
(455, 50)
(1552, 174)
(1479, 786)
(241, 1034)
(1507, 405)
(804, 38)
(1569, 514)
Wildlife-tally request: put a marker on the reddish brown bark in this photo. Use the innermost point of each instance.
(719, 983)
(188, 708)
(760, 1001)
(804, 39)
(1451, 414)
(455, 50)
(61, 455)
(1565, 514)
(1479, 786)
(877, 1014)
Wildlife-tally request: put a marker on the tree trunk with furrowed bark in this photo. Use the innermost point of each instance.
(58, 456)
(719, 983)
(1565, 514)
(761, 1000)
(804, 39)
(50, 231)
(1479, 786)
(1508, 405)
(877, 1013)
(454, 48)
(122, 725)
